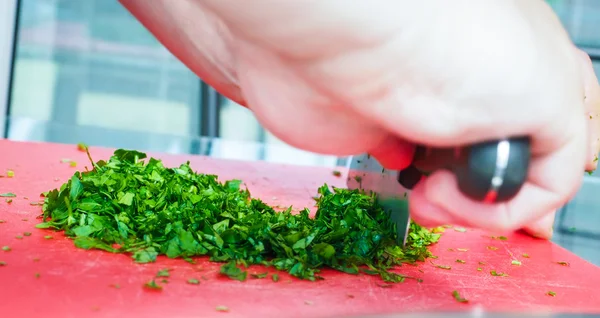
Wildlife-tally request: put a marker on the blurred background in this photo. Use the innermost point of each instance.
(86, 71)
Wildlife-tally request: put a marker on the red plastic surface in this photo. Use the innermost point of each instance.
(77, 283)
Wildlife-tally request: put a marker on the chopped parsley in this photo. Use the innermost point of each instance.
(152, 285)
(458, 297)
(140, 207)
(193, 281)
(494, 273)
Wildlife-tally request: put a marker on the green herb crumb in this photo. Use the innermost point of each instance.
(222, 308)
(193, 281)
(6, 248)
(495, 273)
(458, 297)
(551, 293)
(163, 272)
(152, 285)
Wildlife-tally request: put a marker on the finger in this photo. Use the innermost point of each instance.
(427, 214)
(542, 228)
(553, 179)
(592, 109)
(394, 153)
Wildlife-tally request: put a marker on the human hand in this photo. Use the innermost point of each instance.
(343, 78)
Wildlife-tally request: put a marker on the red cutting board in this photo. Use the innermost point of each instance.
(52, 278)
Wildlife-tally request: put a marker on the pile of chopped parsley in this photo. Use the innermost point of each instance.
(131, 205)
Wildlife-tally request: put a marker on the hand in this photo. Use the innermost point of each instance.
(379, 76)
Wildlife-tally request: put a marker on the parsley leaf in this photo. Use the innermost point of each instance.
(8, 195)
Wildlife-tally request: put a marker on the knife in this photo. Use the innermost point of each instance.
(489, 172)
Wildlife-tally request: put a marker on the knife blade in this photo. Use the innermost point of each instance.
(367, 174)
(489, 172)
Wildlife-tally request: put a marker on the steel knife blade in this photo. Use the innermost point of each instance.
(366, 173)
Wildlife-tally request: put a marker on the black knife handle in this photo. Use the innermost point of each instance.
(492, 171)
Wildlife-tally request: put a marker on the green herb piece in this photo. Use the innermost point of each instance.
(501, 238)
(275, 277)
(36, 203)
(551, 293)
(563, 263)
(337, 173)
(458, 297)
(479, 269)
(164, 281)
(8, 195)
(232, 271)
(260, 275)
(441, 266)
(460, 229)
(525, 255)
(439, 229)
(163, 272)
(37, 275)
(516, 262)
(492, 248)
(9, 201)
(48, 237)
(152, 285)
(2, 263)
(460, 261)
(193, 281)
(145, 255)
(19, 237)
(6, 248)
(494, 273)
(27, 233)
(82, 147)
(481, 263)
(222, 308)
(135, 205)
(10, 173)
